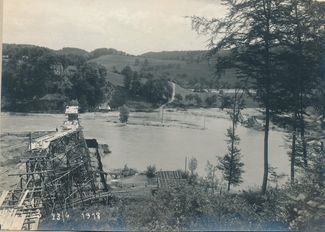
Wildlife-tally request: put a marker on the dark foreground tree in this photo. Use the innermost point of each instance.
(301, 24)
(249, 34)
(298, 70)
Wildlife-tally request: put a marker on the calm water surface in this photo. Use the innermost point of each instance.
(139, 146)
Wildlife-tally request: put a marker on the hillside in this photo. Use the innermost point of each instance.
(106, 51)
(73, 73)
(174, 55)
(184, 73)
(115, 78)
(73, 51)
(190, 69)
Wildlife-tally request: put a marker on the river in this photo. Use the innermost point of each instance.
(198, 133)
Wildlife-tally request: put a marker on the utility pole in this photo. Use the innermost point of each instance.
(30, 141)
(162, 114)
(204, 122)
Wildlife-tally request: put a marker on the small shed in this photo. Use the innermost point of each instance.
(167, 179)
(104, 108)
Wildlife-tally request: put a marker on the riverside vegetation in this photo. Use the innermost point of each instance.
(276, 48)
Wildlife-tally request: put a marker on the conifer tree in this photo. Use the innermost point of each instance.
(255, 34)
(248, 33)
(231, 165)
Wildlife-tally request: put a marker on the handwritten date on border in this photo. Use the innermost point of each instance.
(64, 216)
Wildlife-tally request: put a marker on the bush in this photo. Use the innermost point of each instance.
(151, 171)
(126, 171)
(124, 114)
(211, 101)
(303, 203)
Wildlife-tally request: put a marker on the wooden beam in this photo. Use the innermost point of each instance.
(3, 197)
(30, 173)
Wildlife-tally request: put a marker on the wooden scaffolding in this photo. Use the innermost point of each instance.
(59, 174)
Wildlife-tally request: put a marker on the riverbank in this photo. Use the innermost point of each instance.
(165, 140)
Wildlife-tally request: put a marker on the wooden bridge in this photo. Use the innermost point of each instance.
(61, 172)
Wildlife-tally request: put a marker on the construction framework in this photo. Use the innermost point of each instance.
(63, 170)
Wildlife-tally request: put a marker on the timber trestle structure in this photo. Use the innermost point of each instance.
(60, 173)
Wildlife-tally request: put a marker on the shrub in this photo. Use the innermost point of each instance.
(124, 114)
(151, 171)
(126, 171)
(211, 101)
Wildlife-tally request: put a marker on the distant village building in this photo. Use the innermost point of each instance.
(104, 108)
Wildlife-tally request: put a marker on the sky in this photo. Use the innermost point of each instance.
(133, 26)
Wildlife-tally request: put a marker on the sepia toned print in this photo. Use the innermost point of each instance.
(162, 115)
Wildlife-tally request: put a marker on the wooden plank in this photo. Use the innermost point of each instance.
(7, 219)
(30, 173)
(23, 198)
(3, 197)
(3, 215)
(18, 222)
(35, 223)
(31, 210)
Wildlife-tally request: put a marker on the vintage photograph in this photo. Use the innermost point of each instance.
(165, 115)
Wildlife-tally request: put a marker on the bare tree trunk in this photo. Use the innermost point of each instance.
(232, 145)
(266, 151)
(293, 153)
(267, 12)
(302, 135)
(301, 84)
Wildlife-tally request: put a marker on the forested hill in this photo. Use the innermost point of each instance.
(73, 51)
(189, 69)
(42, 79)
(16, 50)
(176, 55)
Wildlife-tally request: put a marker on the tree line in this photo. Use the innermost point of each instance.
(32, 74)
(144, 86)
(277, 48)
